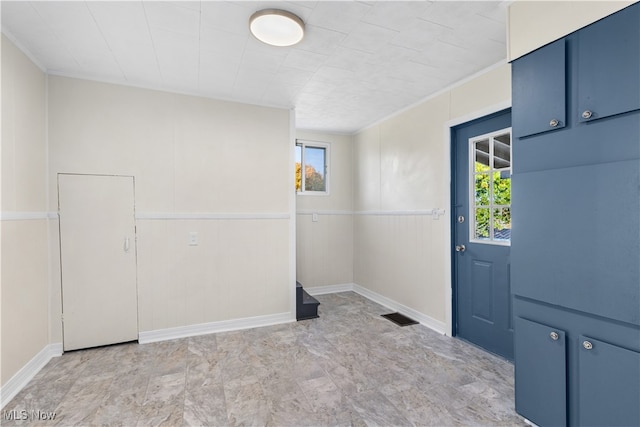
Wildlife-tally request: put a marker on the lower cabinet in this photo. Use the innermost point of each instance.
(609, 378)
(540, 373)
(570, 370)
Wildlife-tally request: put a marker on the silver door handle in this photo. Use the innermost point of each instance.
(460, 248)
(126, 245)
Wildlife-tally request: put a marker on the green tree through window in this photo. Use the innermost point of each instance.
(492, 187)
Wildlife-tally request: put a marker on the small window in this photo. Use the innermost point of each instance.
(312, 167)
(490, 188)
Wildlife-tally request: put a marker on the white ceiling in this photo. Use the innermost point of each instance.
(358, 63)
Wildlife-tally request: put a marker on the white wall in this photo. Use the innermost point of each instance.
(401, 173)
(224, 165)
(533, 24)
(325, 248)
(24, 252)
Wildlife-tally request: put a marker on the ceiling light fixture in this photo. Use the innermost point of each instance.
(276, 27)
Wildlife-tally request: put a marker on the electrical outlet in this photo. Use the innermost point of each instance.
(193, 238)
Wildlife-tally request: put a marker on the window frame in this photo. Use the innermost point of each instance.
(303, 143)
(472, 173)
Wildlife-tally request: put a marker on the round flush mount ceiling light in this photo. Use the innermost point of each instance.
(276, 27)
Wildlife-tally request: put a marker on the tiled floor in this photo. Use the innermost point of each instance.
(349, 367)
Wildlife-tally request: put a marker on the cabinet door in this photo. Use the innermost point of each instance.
(540, 373)
(609, 378)
(538, 90)
(608, 69)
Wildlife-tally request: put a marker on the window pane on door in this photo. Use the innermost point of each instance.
(502, 224)
(482, 221)
(491, 187)
(502, 187)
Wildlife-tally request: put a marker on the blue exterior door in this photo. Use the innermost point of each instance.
(481, 233)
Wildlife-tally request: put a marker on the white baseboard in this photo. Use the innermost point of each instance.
(28, 371)
(329, 289)
(213, 327)
(425, 320)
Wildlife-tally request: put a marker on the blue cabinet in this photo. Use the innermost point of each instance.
(542, 347)
(538, 91)
(607, 370)
(608, 66)
(575, 249)
(575, 368)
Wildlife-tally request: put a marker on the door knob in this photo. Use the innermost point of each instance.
(460, 248)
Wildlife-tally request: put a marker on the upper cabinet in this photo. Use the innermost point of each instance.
(538, 91)
(607, 69)
(597, 66)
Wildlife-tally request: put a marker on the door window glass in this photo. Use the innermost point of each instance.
(490, 187)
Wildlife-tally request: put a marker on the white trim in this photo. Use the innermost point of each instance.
(389, 213)
(23, 49)
(214, 327)
(446, 161)
(502, 105)
(323, 212)
(436, 94)
(327, 167)
(434, 211)
(425, 320)
(292, 213)
(160, 88)
(329, 289)
(28, 371)
(471, 174)
(209, 215)
(27, 216)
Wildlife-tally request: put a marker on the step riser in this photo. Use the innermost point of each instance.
(306, 305)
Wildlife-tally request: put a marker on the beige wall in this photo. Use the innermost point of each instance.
(324, 254)
(533, 24)
(401, 173)
(24, 252)
(219, 169)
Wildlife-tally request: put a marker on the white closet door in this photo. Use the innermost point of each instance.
(98, 260)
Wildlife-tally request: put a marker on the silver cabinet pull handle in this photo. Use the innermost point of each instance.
(554, 336)
(553, 123)
(587, 114)
(587, 345)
